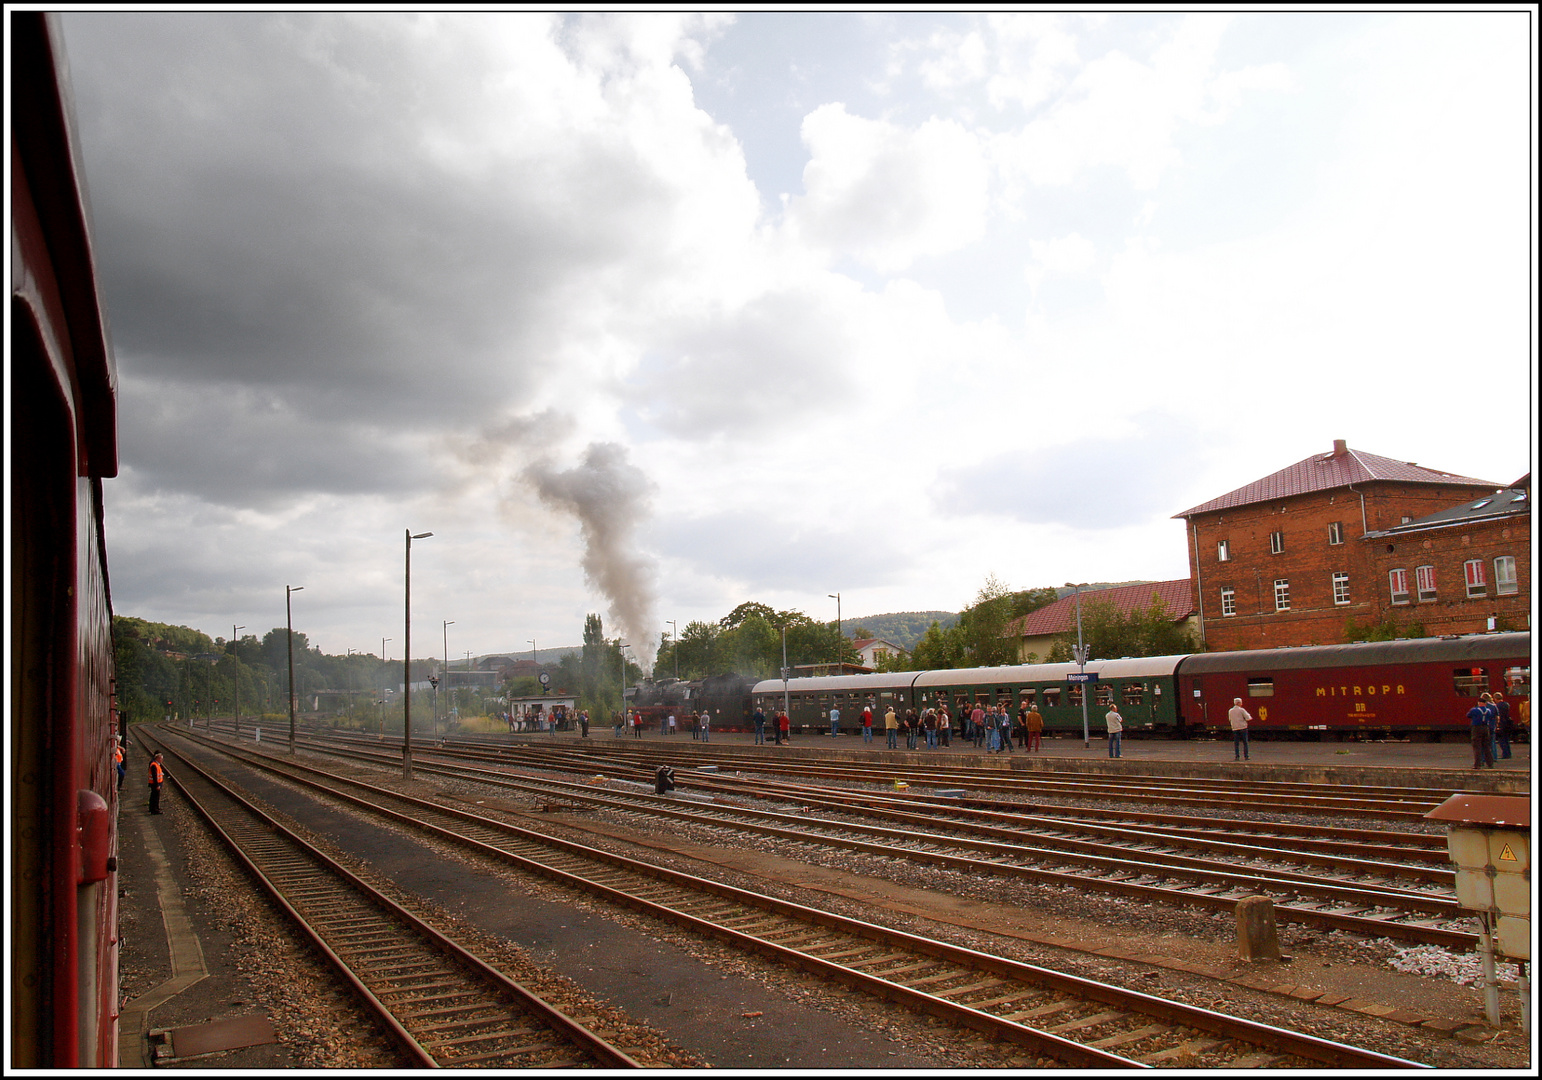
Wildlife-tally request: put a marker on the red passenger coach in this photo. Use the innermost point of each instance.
(62, 934)
(1387, 687)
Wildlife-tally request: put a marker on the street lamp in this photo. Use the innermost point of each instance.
(385, 682)
(233, 631)
(621, 648)
(1081, 660)
(407, 659)
(445, 630)
(289, 614)
(349, 669)
(837, 598)
(674, 639)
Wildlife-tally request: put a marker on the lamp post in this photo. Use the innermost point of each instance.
(674, 647)
(786, 703)
(1081, 661)
(837, 598)
(385, 682)
(445, 630)
(407, 658)
(348, 667)
(621, 648)
(289, 590)
(233, 631)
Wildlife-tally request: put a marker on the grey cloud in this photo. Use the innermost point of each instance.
(234, 446)
(309, 200)
(787, 350)
(1097, 483)
(767, 554)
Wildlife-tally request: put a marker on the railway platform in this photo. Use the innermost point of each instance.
(1367, 762)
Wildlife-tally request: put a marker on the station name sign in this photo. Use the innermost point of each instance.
(1082, 677)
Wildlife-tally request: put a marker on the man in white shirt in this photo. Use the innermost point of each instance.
(1240, 718)
(1115, 732)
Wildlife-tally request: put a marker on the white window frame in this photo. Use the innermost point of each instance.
(1476, 573)
(1282, 594)
(1223, 551)
(1335, 532)
(1505, 581)
(1424, 580)
(1276, 542)
(1228, 601)
(1340, 587)
(1397, 585)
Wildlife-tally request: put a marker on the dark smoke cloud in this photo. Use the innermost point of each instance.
(610, 497)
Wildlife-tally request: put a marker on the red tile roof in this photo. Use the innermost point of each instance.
(1324, 472)
(1060, 617)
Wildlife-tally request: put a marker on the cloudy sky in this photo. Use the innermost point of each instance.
(652, 314)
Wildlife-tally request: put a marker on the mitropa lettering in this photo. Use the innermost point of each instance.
(1371, 690)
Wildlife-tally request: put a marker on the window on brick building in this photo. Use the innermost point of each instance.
(1281, 594)
(1341, 588)
(1276, 542)
(1476, 572)
(1504, 576)
(1424, 578)
(1397, 583)
(1223, 551)
(1228, 600)
(1335, 532)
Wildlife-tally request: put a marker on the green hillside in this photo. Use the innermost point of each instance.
(904, 628)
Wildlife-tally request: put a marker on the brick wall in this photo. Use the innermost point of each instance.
(1307, 560)
(1448, 549)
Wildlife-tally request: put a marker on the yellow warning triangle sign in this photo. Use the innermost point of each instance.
(1507, 855)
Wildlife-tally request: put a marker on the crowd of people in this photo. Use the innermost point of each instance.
(1493, 729)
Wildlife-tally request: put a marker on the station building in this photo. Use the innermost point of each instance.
(1312, 554)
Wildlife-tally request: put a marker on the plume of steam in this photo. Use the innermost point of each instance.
(610, 497)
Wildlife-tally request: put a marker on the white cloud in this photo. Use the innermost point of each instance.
(884, 195)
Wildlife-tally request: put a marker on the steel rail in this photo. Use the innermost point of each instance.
(1295, 1043)
(1217, 888)
(528, 1003)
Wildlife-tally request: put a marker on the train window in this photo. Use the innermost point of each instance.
(1051, 697)
(1105, 694)
(1470, 682)
(1004, 695)
(1134, 693)
(1075, 696)
(824, 699)
(1028, 697)
(1261, 687)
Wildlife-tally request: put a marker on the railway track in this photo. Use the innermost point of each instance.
(1150, 866)
(1065, 1019)
(443, 1005)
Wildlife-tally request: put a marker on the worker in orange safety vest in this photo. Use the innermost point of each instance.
(157, 778)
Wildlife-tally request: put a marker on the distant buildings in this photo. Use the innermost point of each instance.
(1039, 630)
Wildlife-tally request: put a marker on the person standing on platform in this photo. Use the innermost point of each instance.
(760, 726)
(1115, 732)
(1504, 727)
(1006, 729)
(1035, 724)
(944, 724)
(977, 725)
(891, 727)
(157, 778)
(1482, 741)
(117, 760)
(1240, 718)
(706, 725)
(783, 727)
(637, 725)
(929, 725)
(867, 722)
(910, 729)
(835, 721)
